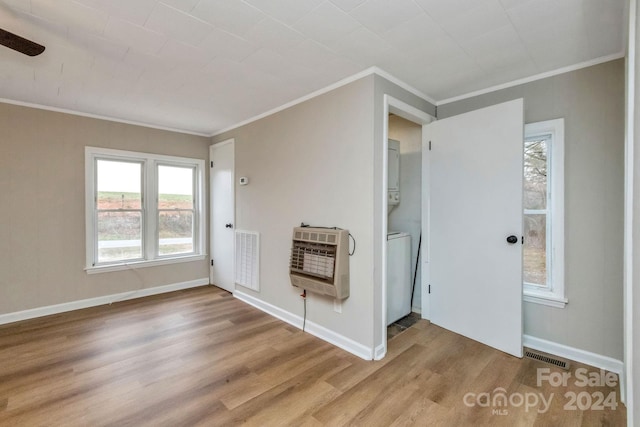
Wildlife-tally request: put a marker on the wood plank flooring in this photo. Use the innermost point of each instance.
(200, 357)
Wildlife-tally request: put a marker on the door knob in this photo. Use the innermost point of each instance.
(512, 239)
(229, 225)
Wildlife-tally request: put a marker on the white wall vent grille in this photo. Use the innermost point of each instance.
(247, 266)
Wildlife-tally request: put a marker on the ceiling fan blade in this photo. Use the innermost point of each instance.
(20, 44)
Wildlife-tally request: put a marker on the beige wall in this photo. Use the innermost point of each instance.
(591, 100)
(320, 162)
(311, 163)
(42, 232)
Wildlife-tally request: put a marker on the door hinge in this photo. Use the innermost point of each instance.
(429, 145)
(435, 113)
(211, 263)
(211, 163)
(429, 288)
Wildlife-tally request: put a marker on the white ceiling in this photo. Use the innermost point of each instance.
(204, 65)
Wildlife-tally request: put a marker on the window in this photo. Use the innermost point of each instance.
(543, 250)
(142, 209)
(175, 209)
(119, 213)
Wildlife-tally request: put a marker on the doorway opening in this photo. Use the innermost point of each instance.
(403, 224)
(403, 187)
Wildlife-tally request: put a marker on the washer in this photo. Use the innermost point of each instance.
(398, 275)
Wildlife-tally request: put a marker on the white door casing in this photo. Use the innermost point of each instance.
(475, 203)
(222, 221)
(413, 114)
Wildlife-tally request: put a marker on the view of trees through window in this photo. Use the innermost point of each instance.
(535, 210)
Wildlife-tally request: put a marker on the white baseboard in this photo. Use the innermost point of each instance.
(338, 340)
(277, 312)
(93, 302)
(588, 358)
(575, 354)
(319, 331)
(380, 352)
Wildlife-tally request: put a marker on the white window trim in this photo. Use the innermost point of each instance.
(554, 294)
(150, 162)
(142, 264)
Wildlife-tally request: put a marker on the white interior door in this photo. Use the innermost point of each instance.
(222, 214)
(475, 204)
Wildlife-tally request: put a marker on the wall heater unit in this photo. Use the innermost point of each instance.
(320, 261)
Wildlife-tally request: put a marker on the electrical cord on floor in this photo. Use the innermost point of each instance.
(304, 303)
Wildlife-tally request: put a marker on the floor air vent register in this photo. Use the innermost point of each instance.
(546, 358)
(320, 261)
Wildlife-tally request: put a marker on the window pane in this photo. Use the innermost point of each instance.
(535, 173)
(535, 249)
(119, 185)
(175, 187)
(119, 236)
(175, 229)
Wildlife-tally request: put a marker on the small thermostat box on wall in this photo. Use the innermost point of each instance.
(243, 180)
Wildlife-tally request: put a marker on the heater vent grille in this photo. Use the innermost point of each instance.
(313, 259)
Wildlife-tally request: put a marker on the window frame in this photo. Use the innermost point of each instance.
(150, 236)
(553, 294)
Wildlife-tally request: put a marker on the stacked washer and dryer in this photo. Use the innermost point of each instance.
(399, 282)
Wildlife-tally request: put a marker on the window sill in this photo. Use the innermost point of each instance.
(544, 298)
(142, 264)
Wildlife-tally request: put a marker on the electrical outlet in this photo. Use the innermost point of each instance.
(337, 305)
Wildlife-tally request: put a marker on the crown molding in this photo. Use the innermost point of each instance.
(364, 73)
(530, 79)
(393, 79)
(345, 81)
(98, 116)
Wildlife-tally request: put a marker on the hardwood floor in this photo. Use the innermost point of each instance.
(201, 357)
